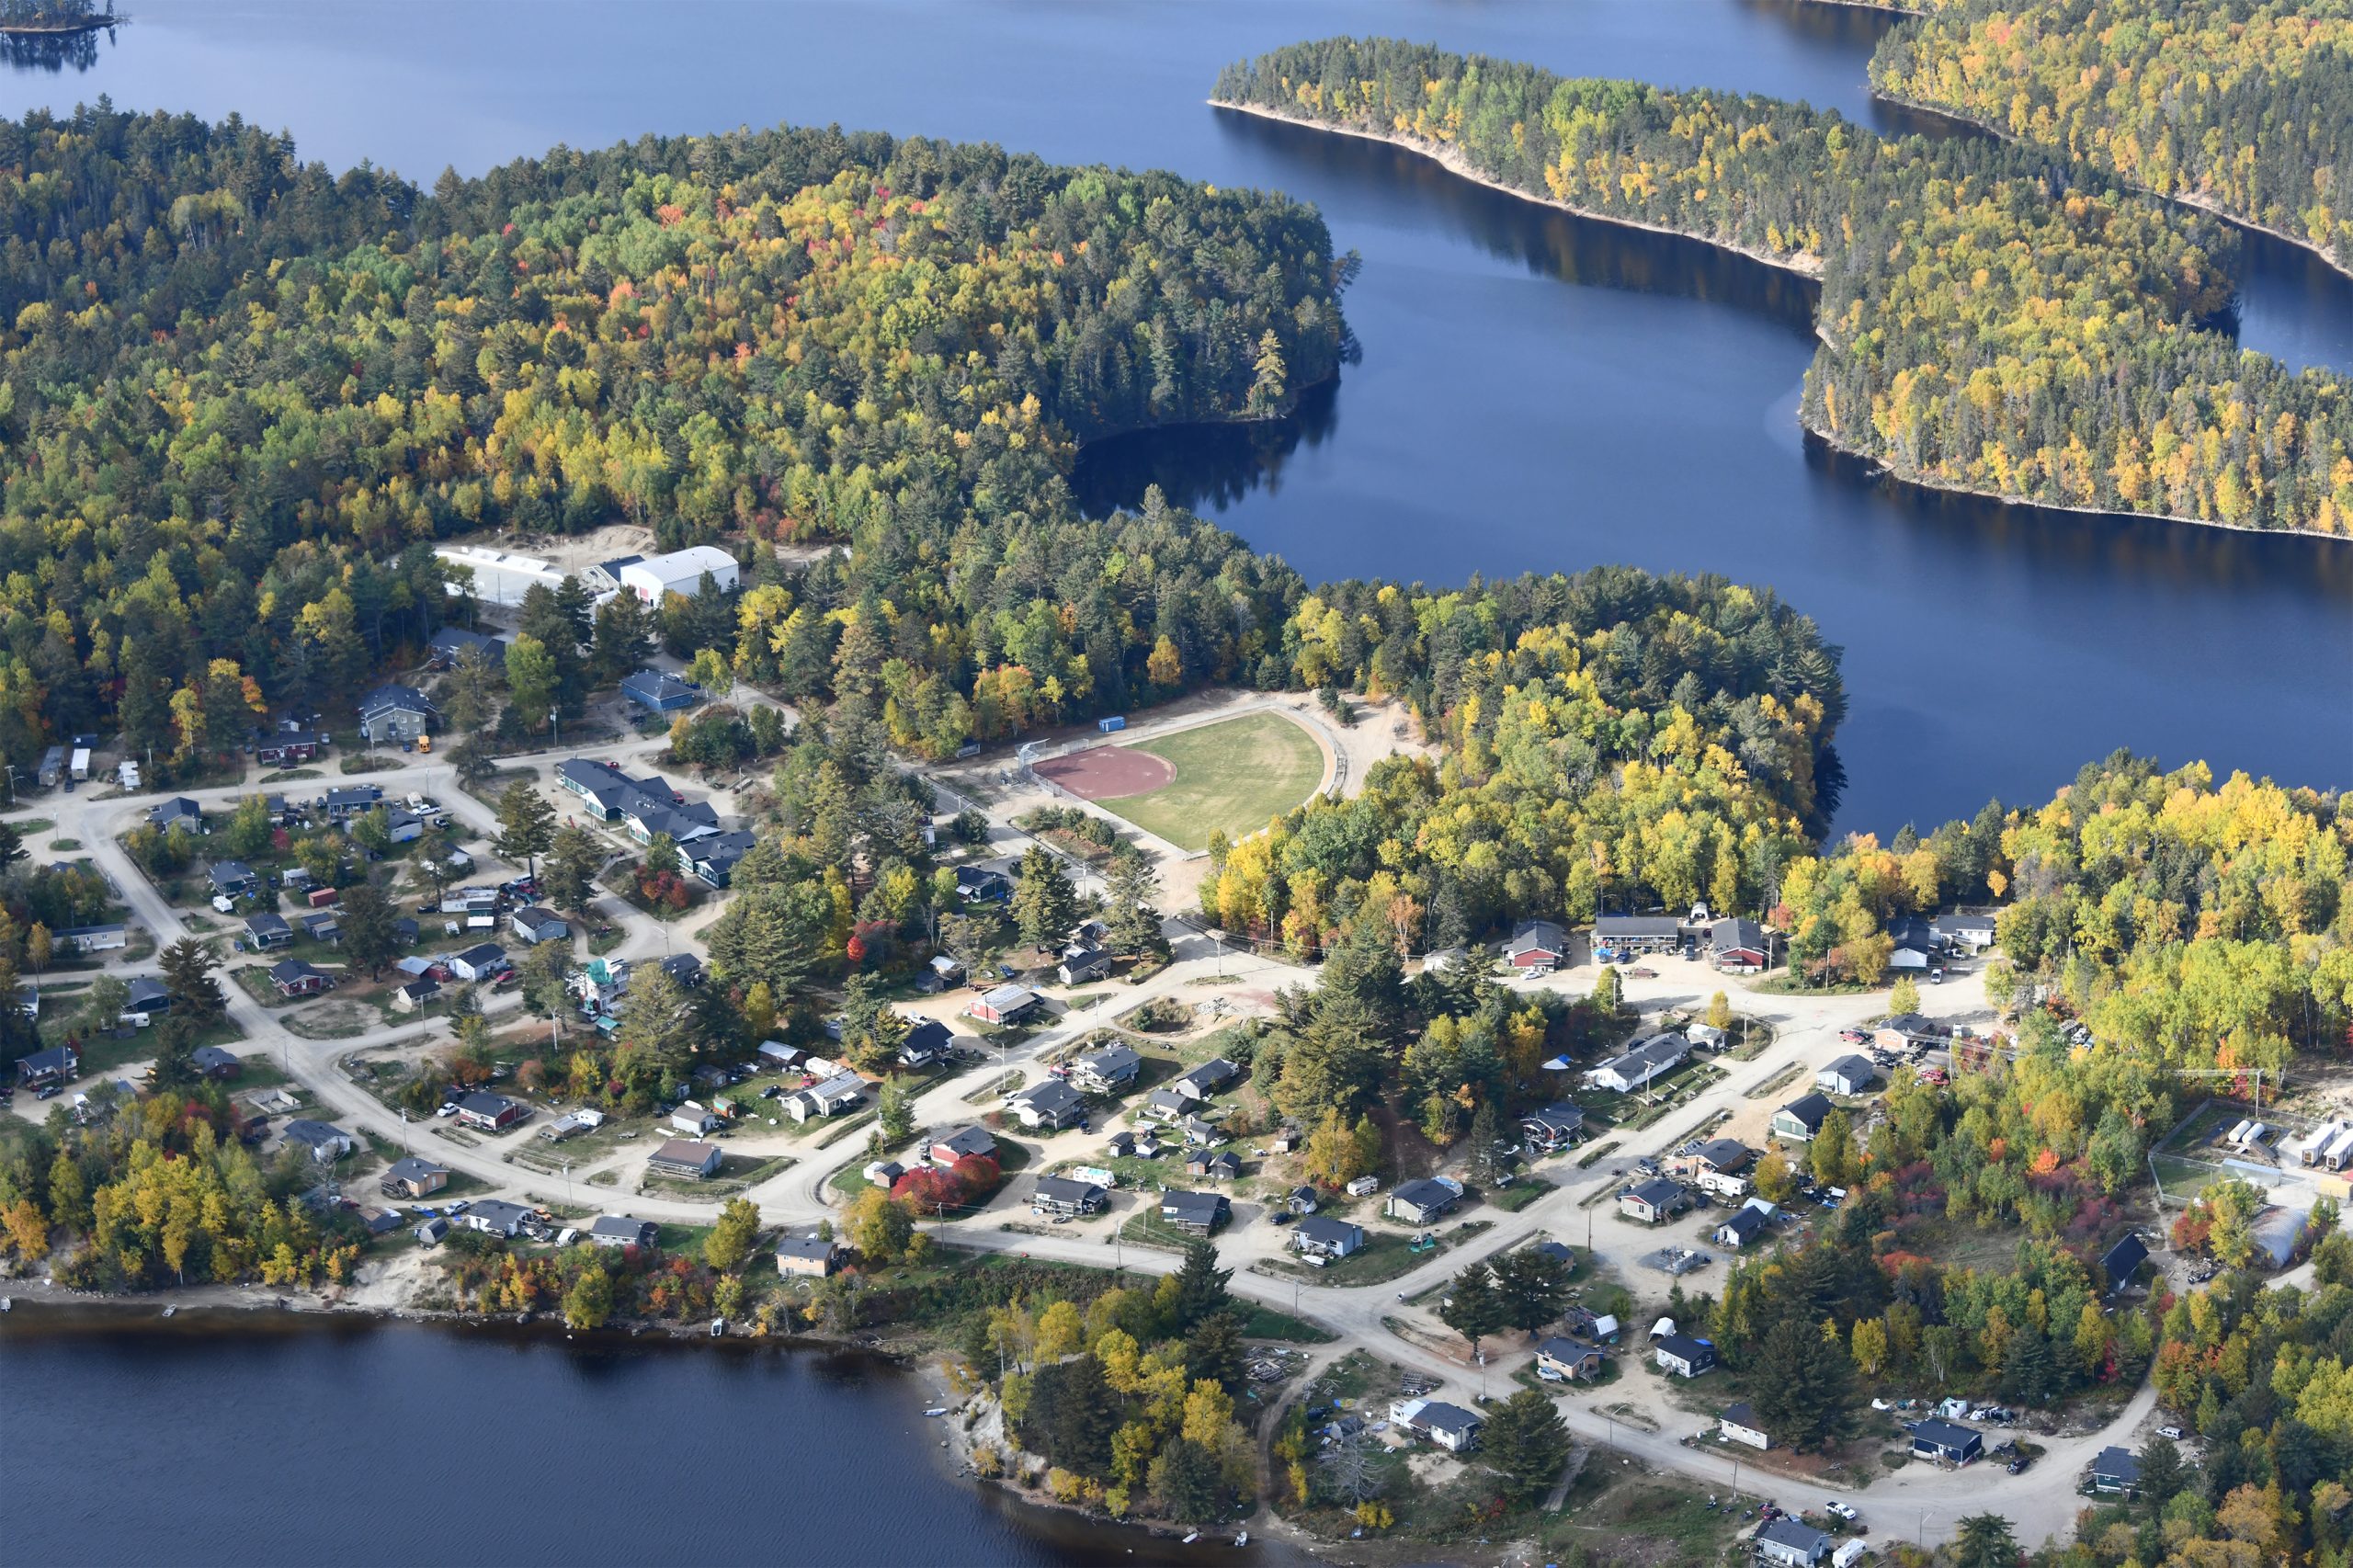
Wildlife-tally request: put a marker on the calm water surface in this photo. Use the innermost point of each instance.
(1536, 393)
(398, 1443)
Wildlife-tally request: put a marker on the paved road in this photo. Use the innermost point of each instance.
(1916, 1500)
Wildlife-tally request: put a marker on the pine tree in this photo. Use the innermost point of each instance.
(1200, 1289)
(1472, 1309)
(1043, 905)
(187, 969)
(1525, 1443)
(1131, 916)
(1803, 1385)
(366, 920)
(526, 825)
(1532, 1285)
(1985, 1542)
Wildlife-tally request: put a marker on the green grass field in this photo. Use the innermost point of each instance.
(1234, 776)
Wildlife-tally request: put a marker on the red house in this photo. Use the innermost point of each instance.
(295, 978)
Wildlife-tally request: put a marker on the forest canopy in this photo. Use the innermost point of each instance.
(1991, 319)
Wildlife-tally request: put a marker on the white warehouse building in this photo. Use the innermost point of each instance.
(680, 572)
(501, 578)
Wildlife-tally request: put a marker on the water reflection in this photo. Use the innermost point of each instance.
(53, 52)
(1202, 468)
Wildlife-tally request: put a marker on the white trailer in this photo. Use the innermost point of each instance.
(80, 768)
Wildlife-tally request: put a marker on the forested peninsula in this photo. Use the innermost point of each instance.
(2242, 106)
(1992, 320)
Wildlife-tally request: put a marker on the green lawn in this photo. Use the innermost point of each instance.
(1234, 776)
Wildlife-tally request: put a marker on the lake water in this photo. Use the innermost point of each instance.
(1536, 393)
(370, 1443)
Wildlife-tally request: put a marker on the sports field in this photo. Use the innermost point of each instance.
(1230, 777)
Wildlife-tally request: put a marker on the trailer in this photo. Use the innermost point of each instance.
(53, 768)
(2310, 1153)
(80, 769)
(2339, 1151)
(129, 774)
(1108, 726)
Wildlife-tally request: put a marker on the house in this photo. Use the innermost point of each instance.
(684, 967)
(1419, 1202)
(1917, 945)
(58, 1064)
(354, 801)
(1197, 1131)
(1682, 1355)
(326, 1144)
(452, 642)
(1321, 1236)
(1705, 1036)
(1721, 1156)
(1850, 1074)
(1626, 934)
(1739, 947)
(1963, 933)
(1565, 1360)
(687, 822)
(1637, 1068)
(1166, 1105)
(1006, 1006)
(405, 931)
(179, 814)
(2115, 1470)
(1537, 946)
(298, 977)
(1739, 1425)
(1800, 1120)
(379, 1221)
(621, 1231)
(392, 715)
(654, 577)
(926, 1043)
(811, 1256)
(402, 826)
(1901, 1031)
(1063, 1197)
(696, 1120)
(570, 1124)
(954, 1147)
(605, 789)
(714, 856)
(146, 993)
(233, 879)
(885, 1174)
(415, 996)
(1226, 1166)
(776, 1053)
(684, 1160)
(285, 746)
(658, 691)
(413, 1177)
(1289, 1139)
(496, 1217)
(1449, 1425)
(90, 938)
(843, 1091)
(322, 927)
(1207, 1079)
(1552, 1127)
(1084, 965)
(1745, 1225)
(1304, 1199)
(212, 1061)
(1939, 1440)
(1105, 1071)
(533, 926)
(1052, 1104)
(1655, 1199)
(1785, 1542)
(1559, 1252)
(2122, 1260)
(1196, 1213)
(480, 961)
(982, 884)
(490, 1113)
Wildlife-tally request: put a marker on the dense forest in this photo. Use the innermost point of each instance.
(2246, 106)
(1992, 318)
(240, 397)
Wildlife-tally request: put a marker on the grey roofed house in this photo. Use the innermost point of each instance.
(536, 925)
(1723, 1154)
(1195, 1211)
(1693, 1357)
(680, 1157)
(1964, 930)
(1940, 1439)
(299, 974)
(1066, 1195)
(1657, 1195)
(1537, 944)
(1743, 1226)
(1552, 1126)
(1641, 1065)
(416, 1177)
(148, 994)
(928, 1042)
(714, 856)
(1052, 1103)
(1847, 1074)
(1166, 1103)
(1211, 1075)
(2115, 1470)
(324, 1143)
(213, 1061)
(1736, 940)
(495, 1216)
(1612, 928)
(806, 1255)
(684, 967)
(231, 876)
(1801, 1118)
(452, 640)
(1329, 1237)
(1456, 1427)
(178, 812)
(621, 1231)
(1103, 1071)
(1087, 963)
(2122, 1260)
(962, 1142)
(660, 690)
(1786, 1541)
(1423, 1201)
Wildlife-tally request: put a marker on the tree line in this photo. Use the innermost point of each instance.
(1993, 318)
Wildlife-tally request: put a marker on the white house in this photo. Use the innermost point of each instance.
(680, 572)
(1740, 1424)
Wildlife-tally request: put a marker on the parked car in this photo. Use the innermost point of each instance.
(2019, 1465)
(1841, 1511)
(451, 1110)
(2171, 1434)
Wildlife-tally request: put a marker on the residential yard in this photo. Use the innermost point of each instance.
(1385, 1255)
(736, 1173)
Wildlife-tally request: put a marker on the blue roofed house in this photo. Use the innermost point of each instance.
(657, 691)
